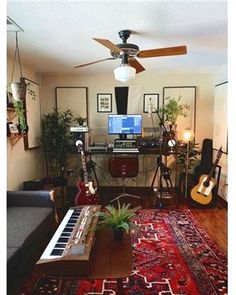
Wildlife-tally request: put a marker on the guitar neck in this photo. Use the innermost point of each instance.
(214, 166)
(84, 167)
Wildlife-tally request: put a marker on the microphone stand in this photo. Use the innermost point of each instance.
(164, 172)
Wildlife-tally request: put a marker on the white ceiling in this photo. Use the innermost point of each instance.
(58, 34)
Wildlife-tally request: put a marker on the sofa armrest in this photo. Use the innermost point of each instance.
(30, 199)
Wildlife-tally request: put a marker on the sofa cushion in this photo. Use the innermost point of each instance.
(27, 223)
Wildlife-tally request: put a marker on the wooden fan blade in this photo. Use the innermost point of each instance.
(93, 62)
(135, 64)
(163, 51)
(108, 44)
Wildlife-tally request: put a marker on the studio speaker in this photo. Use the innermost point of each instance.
(121, 95)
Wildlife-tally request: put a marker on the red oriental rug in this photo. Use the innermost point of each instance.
(172, 254)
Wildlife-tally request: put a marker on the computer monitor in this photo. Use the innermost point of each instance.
(124, 125)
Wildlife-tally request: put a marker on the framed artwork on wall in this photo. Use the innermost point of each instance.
(104, 102)
(150, 102)
(33, 115)
(187, 96)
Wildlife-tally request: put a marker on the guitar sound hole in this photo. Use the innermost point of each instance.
(206, 183)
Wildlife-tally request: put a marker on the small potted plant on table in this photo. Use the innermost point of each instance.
(118, 219)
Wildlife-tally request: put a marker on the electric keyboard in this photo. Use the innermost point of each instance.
(70, 249)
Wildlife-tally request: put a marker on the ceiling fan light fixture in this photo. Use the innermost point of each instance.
(124, 73)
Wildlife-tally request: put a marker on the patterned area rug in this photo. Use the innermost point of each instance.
(172, 254)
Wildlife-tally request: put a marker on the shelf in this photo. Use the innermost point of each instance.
(11, 113)
(15, 138)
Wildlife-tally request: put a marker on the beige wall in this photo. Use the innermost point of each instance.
(22, 165)
(147, 82)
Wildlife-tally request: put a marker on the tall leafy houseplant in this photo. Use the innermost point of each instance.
(172, 109)
(56, 139)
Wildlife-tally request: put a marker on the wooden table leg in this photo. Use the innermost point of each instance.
(120, 286)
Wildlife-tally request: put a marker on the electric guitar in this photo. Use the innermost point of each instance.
(202, 192)
(86, 192)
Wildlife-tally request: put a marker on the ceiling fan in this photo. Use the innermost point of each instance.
(128, 52)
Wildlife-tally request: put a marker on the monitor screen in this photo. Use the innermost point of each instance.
(124, 124)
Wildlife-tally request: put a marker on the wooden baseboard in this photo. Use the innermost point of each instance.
(222, 202)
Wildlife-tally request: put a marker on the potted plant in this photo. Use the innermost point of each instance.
(173, 109)
(80, 120)
(57, 140)
(19, 89)
(187, 156)
(192, 156)
(118, 219)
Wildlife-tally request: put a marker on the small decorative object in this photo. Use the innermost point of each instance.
(118, 219)
(12, 129)
(104, 102)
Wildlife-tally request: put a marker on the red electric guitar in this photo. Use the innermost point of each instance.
(86, 192)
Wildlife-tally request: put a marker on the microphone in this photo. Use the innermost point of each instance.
(78, 142)
(149, 108)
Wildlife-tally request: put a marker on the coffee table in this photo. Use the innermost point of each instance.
(111, 259)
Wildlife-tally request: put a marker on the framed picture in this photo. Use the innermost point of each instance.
(187, 96)
(33, 115)
(104, 102)
(150, 102)
(12, 128)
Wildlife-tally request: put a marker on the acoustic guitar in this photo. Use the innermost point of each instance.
(86, 192)
(202, 192)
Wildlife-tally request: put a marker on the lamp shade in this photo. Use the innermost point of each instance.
(124, 73)
(187, 135)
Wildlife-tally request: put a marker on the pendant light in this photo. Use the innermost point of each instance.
(124, 72)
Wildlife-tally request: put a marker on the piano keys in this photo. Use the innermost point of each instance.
(69, 252)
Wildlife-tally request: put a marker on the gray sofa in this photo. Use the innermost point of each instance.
(30, 224)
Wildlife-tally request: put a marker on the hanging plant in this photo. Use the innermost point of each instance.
(18, 87)
(20, 112)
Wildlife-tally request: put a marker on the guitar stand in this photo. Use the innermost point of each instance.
(164, 175)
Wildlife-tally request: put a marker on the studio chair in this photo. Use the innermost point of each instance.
(124, 167)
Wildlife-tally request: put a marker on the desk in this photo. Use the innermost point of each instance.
(111, 259)
(147, 166)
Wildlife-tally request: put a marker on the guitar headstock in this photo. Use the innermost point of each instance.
(219, 153)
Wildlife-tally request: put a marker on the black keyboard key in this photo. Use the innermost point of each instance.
(63, 240)
(56, 252)
(60, 245)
